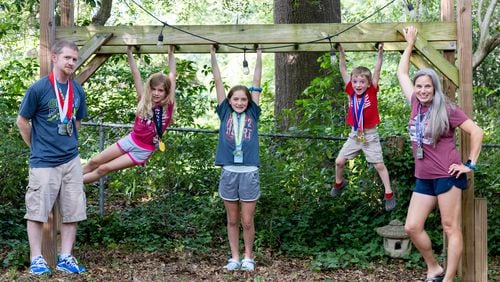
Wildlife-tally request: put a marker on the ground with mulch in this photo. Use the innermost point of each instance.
(116, 265)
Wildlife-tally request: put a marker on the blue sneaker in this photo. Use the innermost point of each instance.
(39, 266)
(69, 264)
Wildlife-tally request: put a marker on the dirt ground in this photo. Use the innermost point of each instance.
(139, 267)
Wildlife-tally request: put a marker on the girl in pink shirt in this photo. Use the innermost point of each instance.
(156, 99)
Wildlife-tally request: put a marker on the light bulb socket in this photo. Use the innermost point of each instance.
(410, 7)
(245, 64)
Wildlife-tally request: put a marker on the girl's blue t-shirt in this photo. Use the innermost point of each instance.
(250, 139)
(48, 148)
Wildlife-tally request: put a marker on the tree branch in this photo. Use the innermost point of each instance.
(487, 43)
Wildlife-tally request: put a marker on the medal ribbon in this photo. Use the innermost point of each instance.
(65, 104)
(238, 125)
(158, 122)
(420, 125)
(358, 111)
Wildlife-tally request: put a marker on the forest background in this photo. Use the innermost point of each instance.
(172, 206)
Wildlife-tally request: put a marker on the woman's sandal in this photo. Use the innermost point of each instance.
(437, 278)
(232, 264)
(247, 264)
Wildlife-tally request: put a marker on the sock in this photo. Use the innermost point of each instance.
(389, 195)
(338, 185)
(63, 256)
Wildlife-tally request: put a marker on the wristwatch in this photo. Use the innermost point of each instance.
(470, 165)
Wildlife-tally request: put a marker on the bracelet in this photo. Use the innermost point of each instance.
(469, 164)
(258, 89)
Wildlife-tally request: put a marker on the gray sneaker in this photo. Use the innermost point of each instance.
(337, 191)
(390, 204)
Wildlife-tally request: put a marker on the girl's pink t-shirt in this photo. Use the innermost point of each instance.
(144, 130)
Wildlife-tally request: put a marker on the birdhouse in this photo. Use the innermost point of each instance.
(396, 241)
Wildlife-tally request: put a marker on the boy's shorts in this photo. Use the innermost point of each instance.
(46, 183)
(243, 186)
(371, 147)
(136, 153)
(434, 187)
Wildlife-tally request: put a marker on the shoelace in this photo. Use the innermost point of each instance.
(39, 262)
(71, 261)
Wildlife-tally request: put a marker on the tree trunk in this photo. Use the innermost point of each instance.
(294, 71)
(104, 13)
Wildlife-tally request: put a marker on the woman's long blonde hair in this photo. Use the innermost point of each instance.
(145, 105)
(438, 117)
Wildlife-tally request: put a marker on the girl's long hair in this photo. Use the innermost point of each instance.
(438, 117)
(145, 105)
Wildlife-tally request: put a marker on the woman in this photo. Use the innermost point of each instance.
(441, 175)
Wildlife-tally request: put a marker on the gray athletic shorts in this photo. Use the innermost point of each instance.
(136, 153)
(243, 186)
(371, 147)
(46, 183)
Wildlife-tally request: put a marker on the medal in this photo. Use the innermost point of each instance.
(161, 146)
(69, 128)
(420, 153)
(361, 138)
(238, 156)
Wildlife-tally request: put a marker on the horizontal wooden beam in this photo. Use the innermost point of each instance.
(288, 37)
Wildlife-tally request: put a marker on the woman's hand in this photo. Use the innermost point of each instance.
(458, 169)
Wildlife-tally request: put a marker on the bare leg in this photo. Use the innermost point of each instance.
(339, 169)
(247, 216)
(450, 208)
(420, 207)
(233, 227)
(384, 176)
(35, 231)
(68, 237)
(109, 160)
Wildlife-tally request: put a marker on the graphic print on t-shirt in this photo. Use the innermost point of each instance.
(247, 129)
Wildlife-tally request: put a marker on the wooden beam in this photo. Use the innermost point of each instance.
(481, 239)
(441, 36)
(91, 46)
(268, 48)
(464, 36)
(418, 61)
(91, 68)
(436, 59)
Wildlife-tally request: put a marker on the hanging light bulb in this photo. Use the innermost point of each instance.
(160, 37)
(246, 70)
(411, 10)
(333, 57)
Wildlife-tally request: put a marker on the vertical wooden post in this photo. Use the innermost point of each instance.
(447, 15)
(47, 35)
(464, 35)
(481, 240)
(449, 89)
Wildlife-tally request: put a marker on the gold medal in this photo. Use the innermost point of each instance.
(161, 146)
(362, 138)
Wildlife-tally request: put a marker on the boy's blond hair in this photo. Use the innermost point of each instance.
(363, 71)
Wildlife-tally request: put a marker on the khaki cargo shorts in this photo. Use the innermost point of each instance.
(47, 184)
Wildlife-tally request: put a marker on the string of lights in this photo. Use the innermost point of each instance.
(244, 49)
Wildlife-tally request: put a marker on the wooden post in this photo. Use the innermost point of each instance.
(464, 36)
(481, 242)
(47, 35)
(447, 15)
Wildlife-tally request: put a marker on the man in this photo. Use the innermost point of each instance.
(49, 118)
